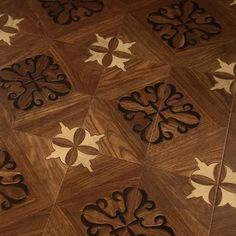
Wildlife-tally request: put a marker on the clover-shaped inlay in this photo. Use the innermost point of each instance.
(110, 52)
(75, 146)
(205, 183)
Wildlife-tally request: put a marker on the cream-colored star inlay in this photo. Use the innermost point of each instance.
(204, 181)
(75, 146)
(224, 77)
(110, 52)
(8, 28)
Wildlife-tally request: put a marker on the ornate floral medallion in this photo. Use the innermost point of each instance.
(129, 213)
(225, 77)
(8, 28)
(65, 12)
(34, 81)
(204, 181)
(13, 191)
(154, 109)
(110, 52)
(75, 146)
(184, 24)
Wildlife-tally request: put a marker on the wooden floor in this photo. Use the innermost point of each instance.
(117, 117)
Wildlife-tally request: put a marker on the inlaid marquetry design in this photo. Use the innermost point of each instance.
(225, 76)
(233, 3)
(33, 82)
(159, 110)
(129, 212)
(75, 146)
(13, 190)
(204, 180)
(8, 28)
(67, 12)
(110, 52)
(184, 24)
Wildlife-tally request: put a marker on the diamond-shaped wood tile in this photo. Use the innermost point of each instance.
(117, 118)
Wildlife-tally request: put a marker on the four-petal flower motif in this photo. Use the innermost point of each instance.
(225, 76)
(34, 81)
(129, 213)
(75, 146)
(204, 181)
(8, 27)
(110, 52)
(159, 110)
(183, 24)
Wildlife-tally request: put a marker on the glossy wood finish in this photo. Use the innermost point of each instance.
(117, 117)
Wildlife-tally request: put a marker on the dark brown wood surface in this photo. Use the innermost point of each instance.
(117, 118)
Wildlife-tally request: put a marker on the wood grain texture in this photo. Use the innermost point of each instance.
(117, 117)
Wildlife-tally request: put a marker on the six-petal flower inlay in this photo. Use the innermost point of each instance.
(160, 108)
(75, 146)
(184, 24)
(129, 212)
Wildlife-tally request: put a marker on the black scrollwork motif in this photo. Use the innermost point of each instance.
(183, 24)
(125, 213)
(65, 12)
(33, 81)
(12, 189)
(162, 111)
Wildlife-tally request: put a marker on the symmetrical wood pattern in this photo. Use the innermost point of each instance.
(117, 118)
(204, 181)
(33, 80)
(75, 146)
(165, 102)
(110, 52)
(184, 24)
(110, 216)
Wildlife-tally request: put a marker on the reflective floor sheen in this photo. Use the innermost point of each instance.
(117, 118)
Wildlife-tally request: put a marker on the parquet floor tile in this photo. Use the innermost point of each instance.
(104, 179)
(117, 117)
(226, 185)
(53, 16)
(171, 198)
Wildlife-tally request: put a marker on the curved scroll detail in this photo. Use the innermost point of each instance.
(184, 24)
(65, 12)
(129, 212)
(33, 81)
(12, 188)
(159, 107)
